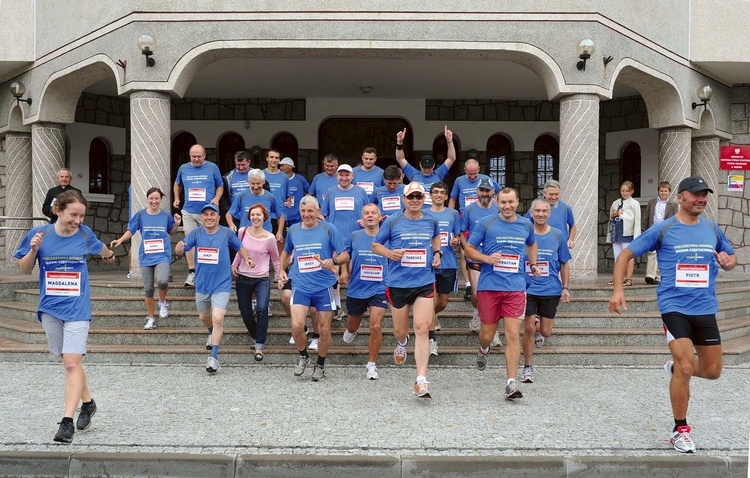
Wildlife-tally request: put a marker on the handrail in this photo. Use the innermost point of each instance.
(22, 218)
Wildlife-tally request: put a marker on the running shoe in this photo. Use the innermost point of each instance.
(254, 304)
(291, 339)
(163, 309)
(129, 274)
(467, 293)
(475, 325)
(269, 312)
(340, 313)
(349, 336)
(681, 440)
(84, 415)
(190, 279)
(372, 372)
(150, 323)
(511, 390)
(399, 354)
(433, 347)
(528, 374)
(482, 360)
(437, 324)
(301, 365)
(313, 343)
(496, 340)
(669, 368)
(209, 345)
(538, 340)
(319, 373)
(65, 432)
(422, 389)
(212, 365)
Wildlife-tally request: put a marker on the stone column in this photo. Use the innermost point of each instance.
(48, 153)
(674, 154)
(705, 162)
(579, 178)
(149, 155)
(18, 199)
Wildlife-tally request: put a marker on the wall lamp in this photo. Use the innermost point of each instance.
(704, 94)
(18, 89)
(584, 50)
(146, 44)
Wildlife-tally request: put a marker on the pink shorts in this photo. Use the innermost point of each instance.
(493, 305)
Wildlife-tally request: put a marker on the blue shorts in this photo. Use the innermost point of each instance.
(323, 300)
(357, 307)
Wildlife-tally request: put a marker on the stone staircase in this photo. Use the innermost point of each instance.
(585, 333)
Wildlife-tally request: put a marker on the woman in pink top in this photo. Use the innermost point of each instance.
(261, 247)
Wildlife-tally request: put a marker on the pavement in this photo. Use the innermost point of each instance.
(614, 414)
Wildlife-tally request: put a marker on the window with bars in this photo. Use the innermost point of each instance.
(499, 158)
(547, 161)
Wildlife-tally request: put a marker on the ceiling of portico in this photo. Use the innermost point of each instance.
(343, 78)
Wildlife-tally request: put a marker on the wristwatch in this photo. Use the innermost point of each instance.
(438, 252)
(335, 262)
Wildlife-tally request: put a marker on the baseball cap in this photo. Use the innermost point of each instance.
(210, 206)
(694, 184)
(427, 161)
(345, 167)
(413, 187)
(485, 184)
(288, 161)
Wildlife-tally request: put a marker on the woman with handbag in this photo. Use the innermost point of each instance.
(624, 225)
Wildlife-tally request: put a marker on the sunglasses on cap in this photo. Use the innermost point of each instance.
(415, 196)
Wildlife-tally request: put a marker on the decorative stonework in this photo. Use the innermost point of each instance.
(48, 153)
(491, 110)
(705, 160)
(674, 154)
(18, 197)
(228, 109)
(734, 208)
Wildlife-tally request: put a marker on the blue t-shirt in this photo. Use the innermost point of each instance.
(473, 214)
(298, 187)
(213, 271)
(560, 217)
(344, 208)
(415, 174)
(198, 184)
(368, 269)
(389, 202)
(279, 184)
(415, 237)
(155, 245)
(63, 273)
(321, 184)
(552, 250)
(368, 180)
(236, 184)
(493, 234)
(464, 188)
(449, 225)
(241, 206)
(322, 240)
(686, 262)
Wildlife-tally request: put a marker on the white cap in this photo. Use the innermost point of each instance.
(288, 161)
(345, 167)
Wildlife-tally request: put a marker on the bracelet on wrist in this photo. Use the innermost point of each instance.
(399, 146)
(566, 288)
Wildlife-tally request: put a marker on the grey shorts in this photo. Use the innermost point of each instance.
(66, 337)
(190, 221)
(217, 300)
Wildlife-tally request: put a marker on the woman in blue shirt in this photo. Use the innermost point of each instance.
(155, 251)
(64, 297)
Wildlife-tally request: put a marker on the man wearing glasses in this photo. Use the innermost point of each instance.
(414, 238)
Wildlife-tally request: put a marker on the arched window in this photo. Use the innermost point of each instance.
(287, 144)
(229, 144)
(631, 166)
(547, 164)
(98, 166)
(499, 158)
(181, 145)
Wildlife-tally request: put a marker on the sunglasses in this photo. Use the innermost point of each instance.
(415, 196)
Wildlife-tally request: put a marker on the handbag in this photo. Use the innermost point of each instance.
(617, 227)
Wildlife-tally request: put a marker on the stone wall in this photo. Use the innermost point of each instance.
(3, 192)
(213, 109)
(734, 208)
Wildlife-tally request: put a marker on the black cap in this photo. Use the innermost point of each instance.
(485, 184)
(694, 184)
(427, 161)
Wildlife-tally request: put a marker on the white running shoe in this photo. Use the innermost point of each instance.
(497, 341)
(669, 368)
(190, 279)
(349, 336)
(475, 325)
(212, 365)
(163, 309)
(291, 340)
(254, 304)
(150, 323)
(372, 372)
(209, 345)
(437, 324)
(433, 347)
(681, 440)
(538, 339)
(313, 344)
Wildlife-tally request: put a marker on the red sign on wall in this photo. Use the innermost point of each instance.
(734, 157)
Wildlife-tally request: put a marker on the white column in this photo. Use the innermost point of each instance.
(150, 118)
(18, 199)
(579, 177)
(705, 163)
(48, 153)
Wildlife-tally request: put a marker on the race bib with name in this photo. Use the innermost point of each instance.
(543, 268)
(371, 273)
(197, 194)
(508, 264)
(308, 264)
(391, 203)
(64, 284)
(692, 276)
(414, 258)
(344, 204)
(470, 201)
(369, 187)
(153, 246)
(207, 255)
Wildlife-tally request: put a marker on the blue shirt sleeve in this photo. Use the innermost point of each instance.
(324, 207)
(477, 235)
(218, 180)
(442, 172)
(134, 225)
(409, 171)
(456, 223)
(234, 209)
(456, 189)
(531, 239)
(384, 233)
(190, 239)
(234, 241)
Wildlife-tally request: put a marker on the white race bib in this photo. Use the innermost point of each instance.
(207, 255)
(371, 273)
(414, 258)
(197, 195)
(369, 187)
(392, 203)
(66, 284)
(543, 267)
(508, 264)
(445, 238)
(344, 204)
(427, 199)
(308, 264)
(291, 201)
(469, 201)
(692, 276)
(153, 246)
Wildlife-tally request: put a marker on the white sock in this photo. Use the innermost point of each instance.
(370, 364)
(468, 284)
(421, 378)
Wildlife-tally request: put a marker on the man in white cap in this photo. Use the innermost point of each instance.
(298, 188)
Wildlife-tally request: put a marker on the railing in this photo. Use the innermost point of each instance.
(18, 228)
